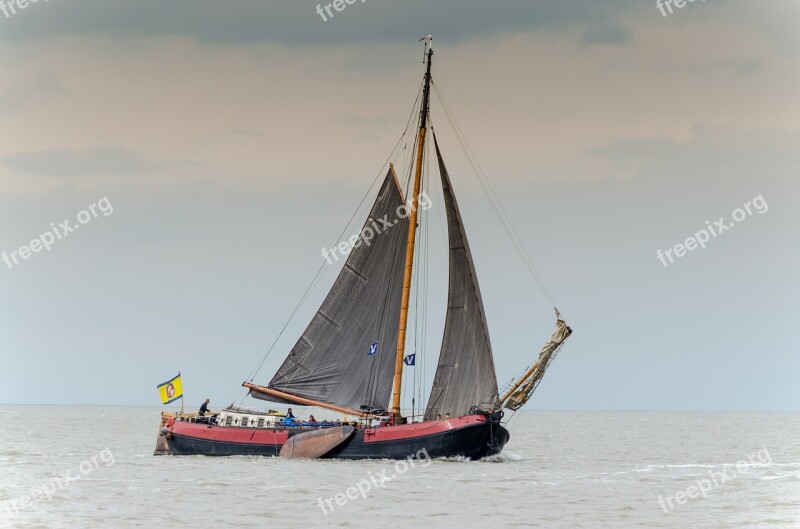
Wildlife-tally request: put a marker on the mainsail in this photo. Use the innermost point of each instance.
(335, 361)
(465, 376)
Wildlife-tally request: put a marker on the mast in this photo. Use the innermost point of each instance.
(412, 236)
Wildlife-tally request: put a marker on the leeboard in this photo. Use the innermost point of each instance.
(316, 443)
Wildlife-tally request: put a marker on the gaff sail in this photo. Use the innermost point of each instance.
(336, 360)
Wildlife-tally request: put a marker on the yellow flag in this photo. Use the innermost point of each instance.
(171, 390)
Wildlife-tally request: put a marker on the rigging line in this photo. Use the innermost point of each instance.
(425, 267)
(324, 264)
(423, 311)
(431, 186)
(420, 255)
(419, 259)
(368, 393)
(372, 384)
(502, 215)
(410, 119)
(405, 151)
(494, 201)
(513, 414)
(410, 200)
(370, 390)
(409, 174)
(413, 323)
(442, 222)
(515, 378)
(320, 272)
(411, 154)
(421, 266)
(414, 320)
(419, 341)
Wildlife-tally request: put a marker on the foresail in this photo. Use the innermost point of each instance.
(521, 392)
(336, 360)
(465, 376)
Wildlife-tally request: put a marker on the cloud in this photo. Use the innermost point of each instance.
(736, 66)
(383, 120)
(67, 162)
(253, 133)
(605, 35)
(713, 154)
(22, 91)
(297, 23)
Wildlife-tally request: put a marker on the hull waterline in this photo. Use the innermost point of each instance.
(472, 437)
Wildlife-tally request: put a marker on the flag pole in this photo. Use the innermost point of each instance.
(182, 410)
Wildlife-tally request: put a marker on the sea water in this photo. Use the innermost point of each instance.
(93, 467)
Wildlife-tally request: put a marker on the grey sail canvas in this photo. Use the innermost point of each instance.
(330, 362)
(465, 375)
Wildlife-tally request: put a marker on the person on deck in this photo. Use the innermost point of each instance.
(203, 411)
(289, 419)
(312, 420)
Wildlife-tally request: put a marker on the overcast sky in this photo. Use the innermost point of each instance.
(235, 139)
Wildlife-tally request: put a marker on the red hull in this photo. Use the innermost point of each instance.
(472, 436)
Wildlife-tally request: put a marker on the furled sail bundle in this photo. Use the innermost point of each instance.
(522, 390)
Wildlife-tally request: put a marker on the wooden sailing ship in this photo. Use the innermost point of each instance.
(368, 306)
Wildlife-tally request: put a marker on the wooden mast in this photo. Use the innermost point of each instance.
(412, 236)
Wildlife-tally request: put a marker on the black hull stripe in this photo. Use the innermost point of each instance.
(472, 442)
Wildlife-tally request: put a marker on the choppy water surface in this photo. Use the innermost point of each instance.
(92, 467)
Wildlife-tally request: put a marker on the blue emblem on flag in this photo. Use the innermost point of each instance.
(410, 360)
(373, 349)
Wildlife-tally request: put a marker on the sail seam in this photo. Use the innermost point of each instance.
(329, 319)
(356, 272)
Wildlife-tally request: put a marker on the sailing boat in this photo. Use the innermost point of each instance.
(336, 365)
